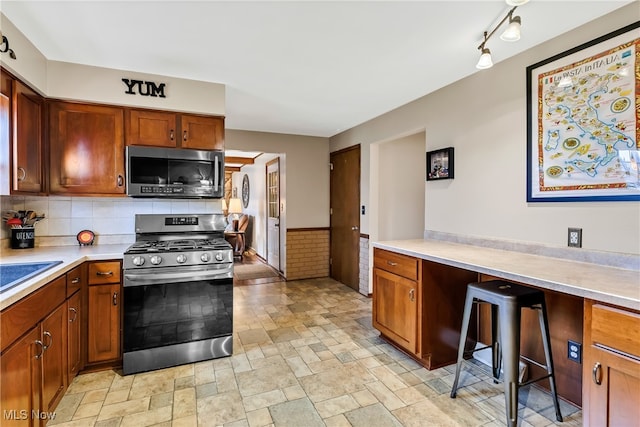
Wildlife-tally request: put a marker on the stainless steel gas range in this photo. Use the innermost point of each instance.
(178, 292)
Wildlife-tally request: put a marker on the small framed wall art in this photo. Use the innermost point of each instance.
(440, 164)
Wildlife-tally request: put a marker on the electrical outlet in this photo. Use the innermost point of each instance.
(574, 351)
(574, 239)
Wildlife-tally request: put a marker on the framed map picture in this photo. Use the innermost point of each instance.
(583, 122)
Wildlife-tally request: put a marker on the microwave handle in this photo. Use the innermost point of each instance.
(216, 172)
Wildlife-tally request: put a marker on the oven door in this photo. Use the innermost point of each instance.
(176, 315)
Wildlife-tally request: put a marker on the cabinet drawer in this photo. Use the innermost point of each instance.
(104, 272)
(75, 279)
(616, 329)
(395, 263)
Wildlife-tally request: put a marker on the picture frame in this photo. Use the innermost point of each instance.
(440, 164)
(583, 122)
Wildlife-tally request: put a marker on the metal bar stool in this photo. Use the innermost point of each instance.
(506, 300)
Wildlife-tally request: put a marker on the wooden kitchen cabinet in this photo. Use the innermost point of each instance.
(418, 305)
(611, 369)
(397, 292)
(169, 129)
(22, 143)
(104, 312)
(74, 335)
(33, 368)
(86, 149)
(54, 357)
(27, 165)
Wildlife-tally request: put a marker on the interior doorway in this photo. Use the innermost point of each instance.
(345, 216)
(273, 213)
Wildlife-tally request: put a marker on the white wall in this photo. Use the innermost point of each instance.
(400, 188)
(484, 117)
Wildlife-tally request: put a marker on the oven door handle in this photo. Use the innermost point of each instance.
(131, 279)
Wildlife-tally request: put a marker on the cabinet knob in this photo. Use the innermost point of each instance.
(120, 181)
(171, 135)
(24, 174)
(75, 314)
(115, 298)
(184, 135)
(597, 373)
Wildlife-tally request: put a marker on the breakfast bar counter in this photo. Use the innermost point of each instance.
(617, 286)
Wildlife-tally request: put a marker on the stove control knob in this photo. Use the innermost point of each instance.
(182, 258)
(137, 260)
(219, 256)
(205, 257)
(156, 259)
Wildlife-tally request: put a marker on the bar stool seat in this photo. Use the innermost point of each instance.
(507, 299)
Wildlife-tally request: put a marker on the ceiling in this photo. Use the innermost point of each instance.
(297, 67)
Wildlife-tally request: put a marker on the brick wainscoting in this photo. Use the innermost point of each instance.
(307, 253)
(364, 265)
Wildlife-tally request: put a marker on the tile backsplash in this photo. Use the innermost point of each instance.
(110, 218)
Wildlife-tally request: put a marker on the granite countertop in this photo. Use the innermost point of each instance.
(71, 256)
(611, 285)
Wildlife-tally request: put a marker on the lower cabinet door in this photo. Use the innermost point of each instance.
(612, 385)
(74, 346)
(104, 323)
(395, 308)
(54, 358)
(20, 374)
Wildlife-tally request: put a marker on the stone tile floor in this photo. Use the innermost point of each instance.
(305, 354)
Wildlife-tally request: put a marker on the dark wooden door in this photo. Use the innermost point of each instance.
(345, 216)
(74, 334)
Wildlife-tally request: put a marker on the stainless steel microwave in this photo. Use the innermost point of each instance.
(174, 172)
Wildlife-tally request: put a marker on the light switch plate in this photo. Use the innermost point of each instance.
(574, 238)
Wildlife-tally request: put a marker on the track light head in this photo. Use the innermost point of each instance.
(512, 33)
(485, 60)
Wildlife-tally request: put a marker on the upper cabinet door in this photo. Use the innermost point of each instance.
(155, 128)
(27, 147)
(201, 132)
(87, 149)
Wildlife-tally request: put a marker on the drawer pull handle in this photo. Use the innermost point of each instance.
(104, 273)
(392, 264)
(48, 334)
(75, 280)
(38, 342)
(184, 135)
(120, 181)
(115, 298)
(412, 295)
(597, 373)
(75, 314)
(171, 136)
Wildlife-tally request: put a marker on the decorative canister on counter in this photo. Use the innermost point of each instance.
(22, 238)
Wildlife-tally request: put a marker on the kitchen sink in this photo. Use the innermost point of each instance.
(14, 274)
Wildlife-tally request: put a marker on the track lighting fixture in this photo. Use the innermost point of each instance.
(510, 34)
(4, 46)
